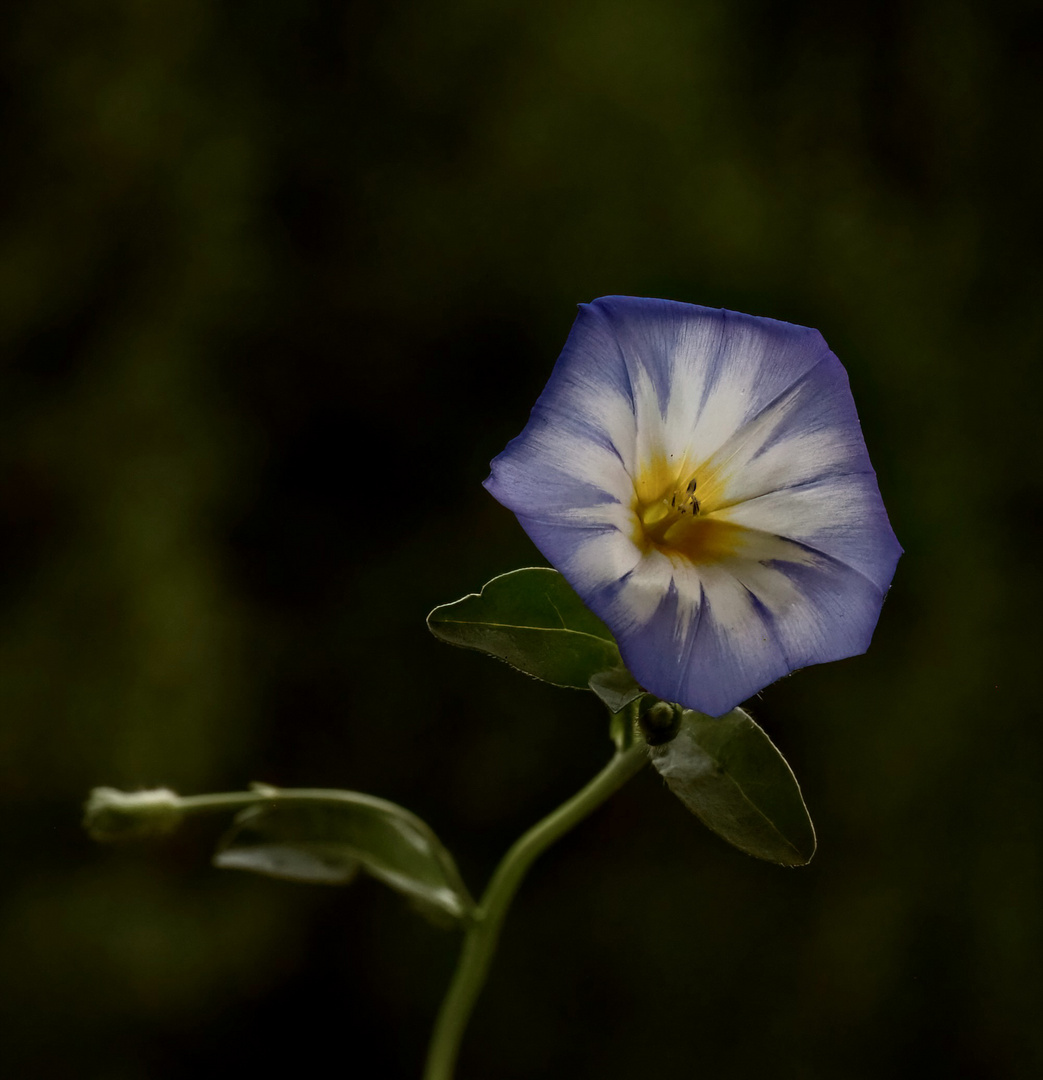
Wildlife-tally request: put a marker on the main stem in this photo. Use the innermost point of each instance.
(484, 932)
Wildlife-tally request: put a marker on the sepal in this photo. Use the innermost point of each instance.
(616, 687)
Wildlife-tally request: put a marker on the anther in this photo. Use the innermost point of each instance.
(690, 502)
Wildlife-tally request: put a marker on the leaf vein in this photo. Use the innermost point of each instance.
(517, 626)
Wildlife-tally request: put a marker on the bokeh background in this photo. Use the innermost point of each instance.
(277, 280)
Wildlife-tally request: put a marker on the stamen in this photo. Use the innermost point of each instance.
(690, 501)
(672, 520)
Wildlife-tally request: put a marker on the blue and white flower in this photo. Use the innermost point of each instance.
(700, 479)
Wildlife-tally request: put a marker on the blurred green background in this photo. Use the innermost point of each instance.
(278, 279)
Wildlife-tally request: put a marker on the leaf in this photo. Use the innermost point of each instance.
(326, 837)
(730, 775)
(534, 621)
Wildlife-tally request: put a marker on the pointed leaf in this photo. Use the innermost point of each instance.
(268, 841)
(534, 621)
(728, 772)
(325, 837)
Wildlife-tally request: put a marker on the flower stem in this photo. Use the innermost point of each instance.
(484, 931)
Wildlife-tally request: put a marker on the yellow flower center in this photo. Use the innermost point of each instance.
(674, 513)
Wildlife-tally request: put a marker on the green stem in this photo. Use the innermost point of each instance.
(484, 931)
(263, 793)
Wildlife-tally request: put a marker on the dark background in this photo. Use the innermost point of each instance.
(277, 280)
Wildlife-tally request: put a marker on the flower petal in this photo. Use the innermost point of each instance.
(707, 371)
(761, 412)
(754, 623)
(842, 517)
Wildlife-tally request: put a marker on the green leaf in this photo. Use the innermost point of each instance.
(532, 619)
(326, 837)
(729, 773)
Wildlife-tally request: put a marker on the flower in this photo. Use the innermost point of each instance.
(700, 479)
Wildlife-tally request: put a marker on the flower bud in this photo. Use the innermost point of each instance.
(659, 723)
(124, 815)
